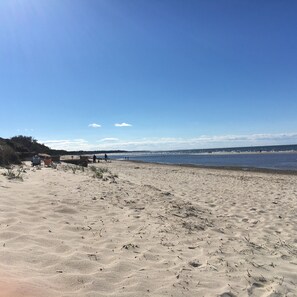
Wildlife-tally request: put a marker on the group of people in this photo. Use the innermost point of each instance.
(95, 158)
(36, 161)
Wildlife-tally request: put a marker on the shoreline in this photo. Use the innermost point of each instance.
(229, 168)
(203, 154)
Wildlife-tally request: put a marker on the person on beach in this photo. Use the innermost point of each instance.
(105, 158)
(36, 160)
(94, 159)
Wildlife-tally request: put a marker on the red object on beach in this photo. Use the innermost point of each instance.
(47, 161)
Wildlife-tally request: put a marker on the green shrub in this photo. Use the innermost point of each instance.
(103, 173)
(14, 174)
(98, 174)
(93, 168)
(8, 156)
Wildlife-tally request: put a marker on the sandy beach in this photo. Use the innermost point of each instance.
(147, 230)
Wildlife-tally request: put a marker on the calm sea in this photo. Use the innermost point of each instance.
(266, 160)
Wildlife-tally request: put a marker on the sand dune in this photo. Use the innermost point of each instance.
(151, 231)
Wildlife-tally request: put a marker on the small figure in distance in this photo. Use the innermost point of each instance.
(48, 161)
(36, 160)
(105, 158)
(94, 159)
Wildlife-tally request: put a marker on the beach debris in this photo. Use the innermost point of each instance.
(130, 246)
(193, 227)
(195, 263)
(227, 294)
(252, 244)
(93, 257)
(89, 228)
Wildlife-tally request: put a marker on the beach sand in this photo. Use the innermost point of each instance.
(147, 230)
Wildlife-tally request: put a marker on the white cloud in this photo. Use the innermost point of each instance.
(108, 139)
(94, 125)
(123, 125)
(70, 145)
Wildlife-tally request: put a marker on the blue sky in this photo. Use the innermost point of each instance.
(153, 74)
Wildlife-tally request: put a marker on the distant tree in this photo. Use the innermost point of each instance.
(28, 144)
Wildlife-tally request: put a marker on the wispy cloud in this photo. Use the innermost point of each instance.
(203, 141)
(123, 125)
(25, 130)
(169, 143)
(250, 138)
(67, 144)
(94, 125)
(108, 139)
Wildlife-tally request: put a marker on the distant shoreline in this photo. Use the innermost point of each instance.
(202, 154)
(290, 148)
(228, 168)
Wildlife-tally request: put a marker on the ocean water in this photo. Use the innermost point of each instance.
(270, 160)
